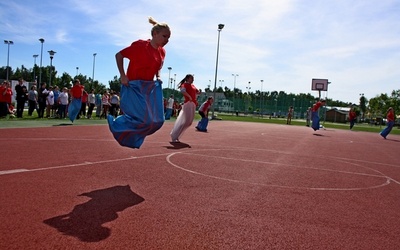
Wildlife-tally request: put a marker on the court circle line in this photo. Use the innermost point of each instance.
(380, 175)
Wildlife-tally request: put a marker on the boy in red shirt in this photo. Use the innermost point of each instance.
(203, 112)
(352, 117)
(75, 106)
(315, 115)
(389, 123)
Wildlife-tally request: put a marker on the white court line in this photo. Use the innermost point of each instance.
(15, 171)
(387, 182)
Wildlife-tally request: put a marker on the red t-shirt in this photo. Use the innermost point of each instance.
(191, 90)
(77, 91)
(205, 106)
(390, 116)
(7, 95)
(144, 60)
(316, 106)
(352, 115)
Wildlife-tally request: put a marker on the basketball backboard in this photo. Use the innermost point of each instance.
(319, 84)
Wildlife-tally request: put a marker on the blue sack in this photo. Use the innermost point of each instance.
(315, 120)
(143, 113)
(202, 125)
(74, 108)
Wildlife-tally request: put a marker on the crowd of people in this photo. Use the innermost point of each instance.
(51, 102)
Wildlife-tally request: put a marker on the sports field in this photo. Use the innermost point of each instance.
(242, 185)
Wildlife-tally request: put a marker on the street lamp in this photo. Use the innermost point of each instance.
(94, 62)
(40, 69)
(248, 98)
(8, 42)
(234, 87)
(326, 101)
(174, 81)
(261, 96)
(220, 27)
(169, 77)
(77, 70)
(34, 67)
(52, 53)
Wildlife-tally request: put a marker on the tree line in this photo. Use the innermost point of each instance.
(246, 100)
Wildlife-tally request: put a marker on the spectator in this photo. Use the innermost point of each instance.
(43, 92)
(105, 102)
(63, 103)
(84, 101)
(5, 99)
(91, 103)
(308, 116)
(290, 115)
(32, 100)
(114, 101)
(170, 107)
(49, 102)
(98, 104)
(21, 97)
(56, 91)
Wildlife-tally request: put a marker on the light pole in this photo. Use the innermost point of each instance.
(261, 95)
(77, 70)
(326, 101)
(234, 87)
(34, 67)
(220, 27)
(94, 63)
(174, 81)
(220, 83)
(248, 97)
(169, 77)
(52, 53)
(40, 69)
(8, 42)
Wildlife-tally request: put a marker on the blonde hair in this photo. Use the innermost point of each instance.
(157, 27)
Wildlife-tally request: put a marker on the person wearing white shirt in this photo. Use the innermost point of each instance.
(63, 101)
(92, 103)
(170, 107)
(49, 101)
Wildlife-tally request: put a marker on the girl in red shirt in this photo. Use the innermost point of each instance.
(141, 99)
(186, 116)
(389, 123)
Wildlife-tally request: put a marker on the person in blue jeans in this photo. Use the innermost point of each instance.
(389, 123)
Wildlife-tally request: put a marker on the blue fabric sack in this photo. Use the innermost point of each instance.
(202, 125)
(315, 120)
(74, 108)
(143, 113)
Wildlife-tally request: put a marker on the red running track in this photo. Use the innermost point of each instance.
(239, 186)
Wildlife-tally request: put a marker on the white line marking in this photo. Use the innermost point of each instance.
(15, 171)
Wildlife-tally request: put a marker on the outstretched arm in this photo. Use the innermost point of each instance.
(120, 65)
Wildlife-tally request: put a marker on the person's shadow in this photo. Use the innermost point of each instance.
(86, 220)
(178, 145)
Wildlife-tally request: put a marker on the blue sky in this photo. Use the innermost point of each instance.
(354, 44)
